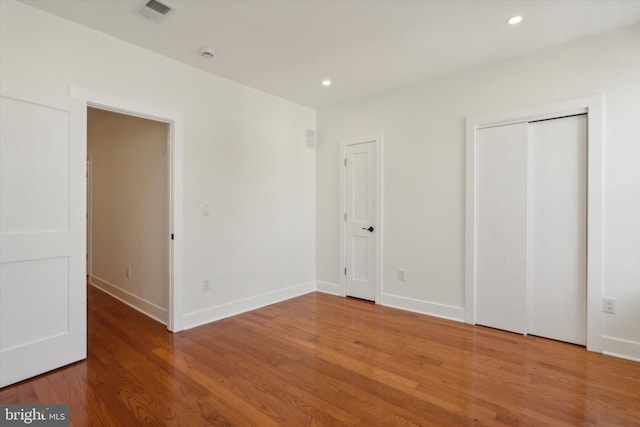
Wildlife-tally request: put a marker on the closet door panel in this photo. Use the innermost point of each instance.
(501, 236)
(557, 229)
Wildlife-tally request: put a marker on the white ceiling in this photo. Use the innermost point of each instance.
(287, 47)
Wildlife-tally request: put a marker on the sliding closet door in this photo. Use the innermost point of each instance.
(557, 229)
(501, 237)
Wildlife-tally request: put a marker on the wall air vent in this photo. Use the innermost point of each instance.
(156, 9)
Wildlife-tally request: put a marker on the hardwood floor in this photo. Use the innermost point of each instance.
(321, 360)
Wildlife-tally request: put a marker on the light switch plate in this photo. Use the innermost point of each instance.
(609, 305)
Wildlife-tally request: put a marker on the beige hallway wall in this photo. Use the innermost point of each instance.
(129, 206)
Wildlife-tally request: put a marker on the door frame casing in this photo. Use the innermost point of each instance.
(377, 141)
(89, 224)
(175, 121)
(593, 106)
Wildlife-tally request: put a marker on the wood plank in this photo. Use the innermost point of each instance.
(321, 360)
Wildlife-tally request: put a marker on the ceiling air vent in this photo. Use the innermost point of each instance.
(156, 9)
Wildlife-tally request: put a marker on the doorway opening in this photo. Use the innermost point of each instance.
(173, 121)
(128, 211)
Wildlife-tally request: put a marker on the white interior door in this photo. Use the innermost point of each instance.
(361, 225)
(42, 232)
(558, 229)
(501, 236)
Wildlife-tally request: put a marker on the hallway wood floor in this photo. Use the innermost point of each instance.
(321, 360)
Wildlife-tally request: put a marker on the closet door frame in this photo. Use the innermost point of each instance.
(593, 107)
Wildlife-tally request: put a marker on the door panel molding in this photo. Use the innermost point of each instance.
(377, 141)
(593, 106)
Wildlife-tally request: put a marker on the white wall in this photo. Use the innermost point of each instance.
(244, 152)
(424, 170)
(129, 205)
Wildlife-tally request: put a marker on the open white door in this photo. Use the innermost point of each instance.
(42, 232)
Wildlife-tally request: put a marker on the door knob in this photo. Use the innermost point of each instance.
(370, 229)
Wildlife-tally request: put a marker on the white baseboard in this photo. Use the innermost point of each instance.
(424, 307)
(621, 348)
(201, 317)
(328, 288)
(142, 305)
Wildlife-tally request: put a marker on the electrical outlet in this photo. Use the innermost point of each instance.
(128, 272)
(206, 284)
(206, 209)
(609, 305)
(402, 274)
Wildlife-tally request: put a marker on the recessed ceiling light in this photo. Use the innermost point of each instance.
(326, 82)
(514, 20)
